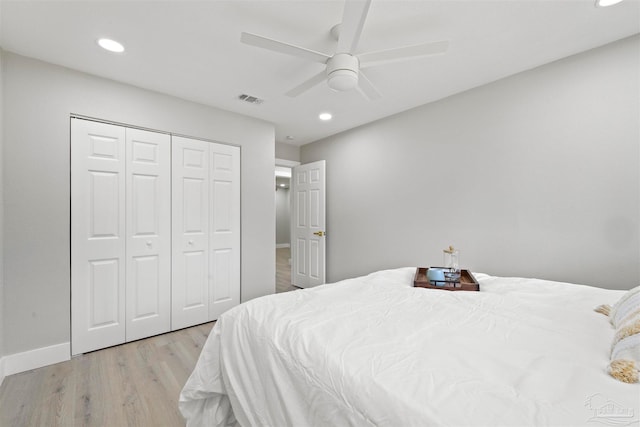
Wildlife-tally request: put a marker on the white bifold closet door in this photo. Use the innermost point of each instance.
(120, 234)
(148, 207)
(206, 230)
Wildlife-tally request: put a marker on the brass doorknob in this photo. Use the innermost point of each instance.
(319, 233)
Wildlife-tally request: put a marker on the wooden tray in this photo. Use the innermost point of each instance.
(467, 281)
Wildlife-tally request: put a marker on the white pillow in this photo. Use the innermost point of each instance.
(625, 350)
(626, 307)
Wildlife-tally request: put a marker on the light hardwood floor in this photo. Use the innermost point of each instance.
(134, 384)
(283, 271)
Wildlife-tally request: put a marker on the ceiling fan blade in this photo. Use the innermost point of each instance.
(367, 88)
(403, 53)
(307, 84)
(353, 17)
(286, 48)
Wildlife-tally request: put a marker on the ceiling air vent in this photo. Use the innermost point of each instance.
(250, 99)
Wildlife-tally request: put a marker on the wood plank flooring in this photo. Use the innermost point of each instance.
(135, 384)
(283, 271)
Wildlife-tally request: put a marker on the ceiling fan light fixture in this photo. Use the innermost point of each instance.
(342, 80)
(342, 72)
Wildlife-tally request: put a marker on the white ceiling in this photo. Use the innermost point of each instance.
(192, 49)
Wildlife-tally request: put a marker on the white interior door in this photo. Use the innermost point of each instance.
(308, 224)
(97, 235)
(224, 240)
(148, 207)
(190, 231)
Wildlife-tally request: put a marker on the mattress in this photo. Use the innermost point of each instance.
(375, 351)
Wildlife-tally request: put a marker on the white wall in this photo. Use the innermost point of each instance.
(287, 152)
(533, 175)
(38, 100)
(2, 310)
(283, 217)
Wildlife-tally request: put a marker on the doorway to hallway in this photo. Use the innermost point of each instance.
(283, 225)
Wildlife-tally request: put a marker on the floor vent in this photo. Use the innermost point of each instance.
(250, 99)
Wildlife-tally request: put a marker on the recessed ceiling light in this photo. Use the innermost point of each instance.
(325, 116)
(605, 3)
(111, 45)
(290, 138)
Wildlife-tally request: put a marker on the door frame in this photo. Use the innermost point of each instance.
(286, 164)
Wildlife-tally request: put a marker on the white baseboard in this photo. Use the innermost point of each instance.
(32, 359)
(282, 245)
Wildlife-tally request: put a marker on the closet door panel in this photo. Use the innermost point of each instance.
(224, 238)
(148, 228)
(190, 219)
(104, 278)
(144, 298)
(104, 191)
(97, 235)
(194, 280)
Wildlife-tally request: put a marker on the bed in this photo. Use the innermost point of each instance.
(376, 351)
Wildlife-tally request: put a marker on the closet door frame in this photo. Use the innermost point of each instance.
(155, 232)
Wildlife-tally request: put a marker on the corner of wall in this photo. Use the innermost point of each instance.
(1, 370)
(1, 225)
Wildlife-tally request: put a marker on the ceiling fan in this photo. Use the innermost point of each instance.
(344, 69)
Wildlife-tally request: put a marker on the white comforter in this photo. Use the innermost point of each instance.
(376, 351)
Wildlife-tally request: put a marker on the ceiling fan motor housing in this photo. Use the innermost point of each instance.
(342, 72)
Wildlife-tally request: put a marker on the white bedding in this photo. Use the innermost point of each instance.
(376, 351)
